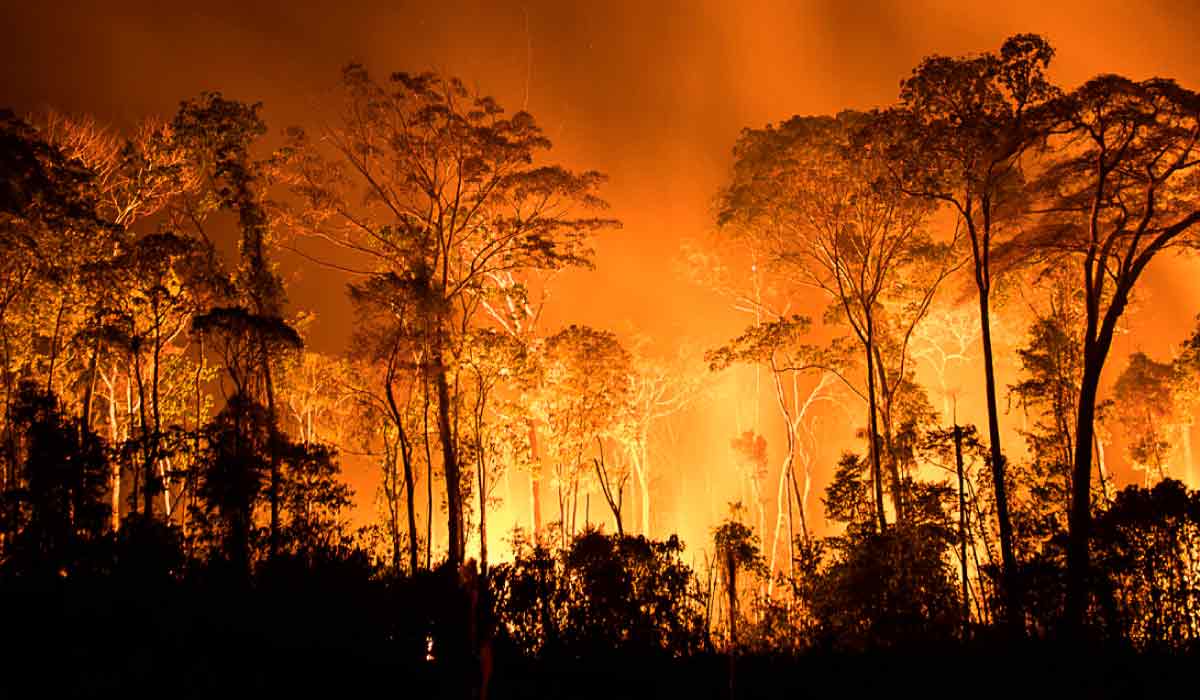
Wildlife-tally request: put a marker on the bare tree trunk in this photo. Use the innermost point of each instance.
(450, 466)
(147, 475)
(483, 552)
(62, 305)
(873, 429)
(644, 481)
(1012, 587)
(962, 531)
(889, 447)
(785, 471)
(481, 466)
(409, 481)
(1189, 465)
(535, 479)
(1101, 470)
(1080, 519)
(85, 411)
(428, 479)
(273, 494)
(1097, 342)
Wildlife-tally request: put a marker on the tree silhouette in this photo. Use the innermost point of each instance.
(813, 192)
(1118, 190)
(55, 510)
(452, 194)
(965, 128)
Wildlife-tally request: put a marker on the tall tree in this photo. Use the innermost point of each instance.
(585, 395)
(777, 345)
(434, 184)
(813, 192)
(218, 135)
(964, 126)
(1120, 188)
(390, 336)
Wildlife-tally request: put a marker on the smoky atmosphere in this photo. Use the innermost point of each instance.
(623, 349)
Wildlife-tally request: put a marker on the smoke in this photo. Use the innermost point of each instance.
(653, 94)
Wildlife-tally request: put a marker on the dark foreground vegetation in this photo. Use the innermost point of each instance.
(173, 519)
(610, 617)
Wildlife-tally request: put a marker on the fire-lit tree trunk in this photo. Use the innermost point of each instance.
(535, 479)
(406, 460)
(428, 471)
(873, 429)
(273, 487)
(962, 530)
(888, 389)
(450, 467)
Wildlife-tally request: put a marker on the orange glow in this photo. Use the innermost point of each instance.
(653, 95)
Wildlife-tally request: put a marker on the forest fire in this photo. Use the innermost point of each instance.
(457, 370)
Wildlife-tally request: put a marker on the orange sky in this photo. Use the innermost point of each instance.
(652, 93)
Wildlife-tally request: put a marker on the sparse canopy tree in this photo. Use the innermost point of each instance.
(813, 193)
(433, 184)
(491, 358)
(391, 337)
(658, 389)
(1144, 404)
(778, 345)
(585, 398)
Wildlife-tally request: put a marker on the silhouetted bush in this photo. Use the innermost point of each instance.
(604, 593)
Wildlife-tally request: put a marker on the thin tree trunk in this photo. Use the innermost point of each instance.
(85, 412)
(273, 494)
(428, 478)
(147, 476)
(450, 466)
(62, 305)
(873, 429)
(535, 480)
(115, 465)
(888, 437)
(409, 485)
(1189, 468)
(1012, 587)
(1101, 471)
(962, 531)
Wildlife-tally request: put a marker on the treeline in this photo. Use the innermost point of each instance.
(170, 449)
(1046, 203)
